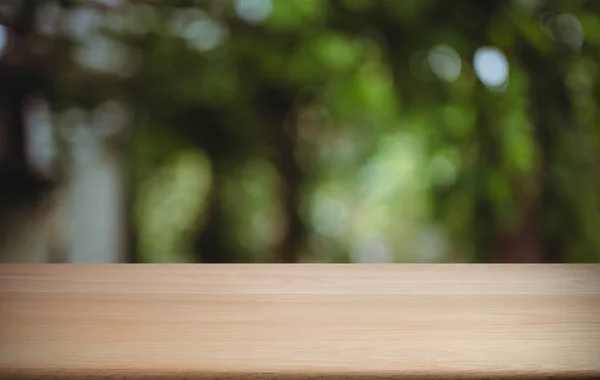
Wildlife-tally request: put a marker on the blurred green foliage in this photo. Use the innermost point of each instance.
(353, 130)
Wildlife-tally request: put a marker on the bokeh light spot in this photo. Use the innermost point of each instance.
(3, 40)
(205, 34)
(569, 30)
(491, 66)
(254, 10)
(445, 62)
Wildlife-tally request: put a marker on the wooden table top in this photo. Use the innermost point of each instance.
(455, 321)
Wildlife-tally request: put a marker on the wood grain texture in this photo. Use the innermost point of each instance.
(299, 321)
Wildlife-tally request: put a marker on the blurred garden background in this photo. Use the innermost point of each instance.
(299, 131)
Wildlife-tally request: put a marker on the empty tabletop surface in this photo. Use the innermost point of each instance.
(456, 321)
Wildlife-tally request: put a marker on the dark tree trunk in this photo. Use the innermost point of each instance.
(288, 250)
(212, 244)
(278, 108)
(21, 188)
(485, 222)
(551, 112)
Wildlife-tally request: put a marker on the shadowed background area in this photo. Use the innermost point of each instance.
(299, 131)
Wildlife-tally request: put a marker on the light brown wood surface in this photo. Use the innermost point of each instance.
(299, 321)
